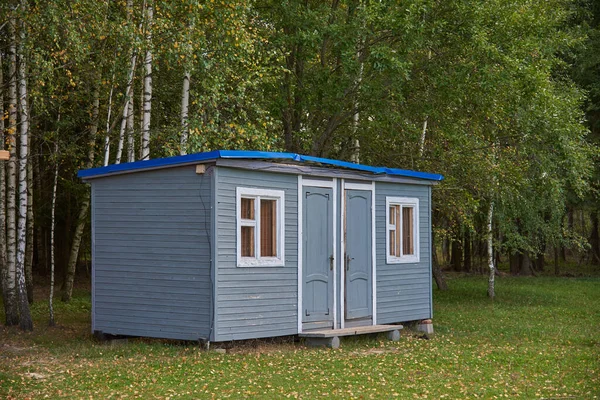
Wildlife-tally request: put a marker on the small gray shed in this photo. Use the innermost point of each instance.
(230, 245)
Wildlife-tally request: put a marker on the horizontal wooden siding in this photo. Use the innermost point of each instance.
(254, 302)
(403, 290)
(151, 267)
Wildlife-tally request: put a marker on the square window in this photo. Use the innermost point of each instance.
(260, 227)
(268, 228)
(402, 230)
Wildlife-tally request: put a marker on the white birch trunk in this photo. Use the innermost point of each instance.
(3, 266)
(128, 94)
(30, 229)
(147, 86)
(424, 131)
(490, 248)
(108, 115)
(130, 131)
(423, 135)
(85, 204)
(355, 158)
(25, 322)
(141, 118)
(185, 104)
(10, 284)
(52, 226)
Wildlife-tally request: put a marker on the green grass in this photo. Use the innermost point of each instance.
(539, 339)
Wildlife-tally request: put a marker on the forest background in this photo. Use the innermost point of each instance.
(501, 97)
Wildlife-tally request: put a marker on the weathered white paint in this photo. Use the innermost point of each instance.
(402, 201)
(258, 194)
(373, 254)
(300, 276)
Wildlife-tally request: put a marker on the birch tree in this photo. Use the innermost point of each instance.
(30, 227)
(10, 284)
(3, 257)
(25, 321)
(85, 204)
(127, 113)
(130, 130)
(51, 321)
(108, 126)
(491, 291)
(147, 105)
(185, 103)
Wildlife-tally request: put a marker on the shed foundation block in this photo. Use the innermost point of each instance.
(394, 336)
(331, 342)
(425, 326)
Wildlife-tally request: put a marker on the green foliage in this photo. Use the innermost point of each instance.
(494, 81)
(515, 347)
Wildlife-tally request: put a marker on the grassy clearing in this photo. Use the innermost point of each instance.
(539, 339)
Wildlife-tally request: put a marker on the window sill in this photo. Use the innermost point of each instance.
(402, 260)
(260, 262)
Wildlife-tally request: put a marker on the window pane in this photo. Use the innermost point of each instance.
(392, 215)
(247, 208)
(268, 228)
(397, 236)
(392, 243)
(247, 241)
(408, 247)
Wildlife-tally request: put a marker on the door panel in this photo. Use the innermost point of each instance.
(317, 253)
(358, 257)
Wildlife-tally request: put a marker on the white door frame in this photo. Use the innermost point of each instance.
(308, 182)
(358, 186)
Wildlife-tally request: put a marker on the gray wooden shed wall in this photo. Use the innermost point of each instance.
(403, 290)
(151, 254)
(254, 302)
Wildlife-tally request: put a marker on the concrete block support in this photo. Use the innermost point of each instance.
(426, 326)
(394, 336)
(331, 342)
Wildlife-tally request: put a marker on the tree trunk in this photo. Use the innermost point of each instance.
(51, 321)
(540, 262)
(490, 250)
(594, 238)
(40, 244)
(108, 115)
(446, 249)
(147, 86)
(570, 226)
(355, 157)
(3, 256)
(515, 263)
(467, 250)
(423, 135)
(185, 101)
(556, 267)
(9, 286)
(30, 231)
(85, 204)
(425, 121)
(130, 131)
(525, 269)
(456, 260)
(128, 94)
(25, 321)
(438, 275)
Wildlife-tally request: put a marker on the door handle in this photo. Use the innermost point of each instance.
(348, 259)
(331, 262)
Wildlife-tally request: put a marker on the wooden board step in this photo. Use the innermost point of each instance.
(358, 330)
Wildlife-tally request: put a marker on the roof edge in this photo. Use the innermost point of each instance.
(244, 154)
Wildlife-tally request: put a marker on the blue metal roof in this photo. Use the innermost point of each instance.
(243, 154)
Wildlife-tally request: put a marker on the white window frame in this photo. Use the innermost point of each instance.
(257, 195)
(402, 201)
